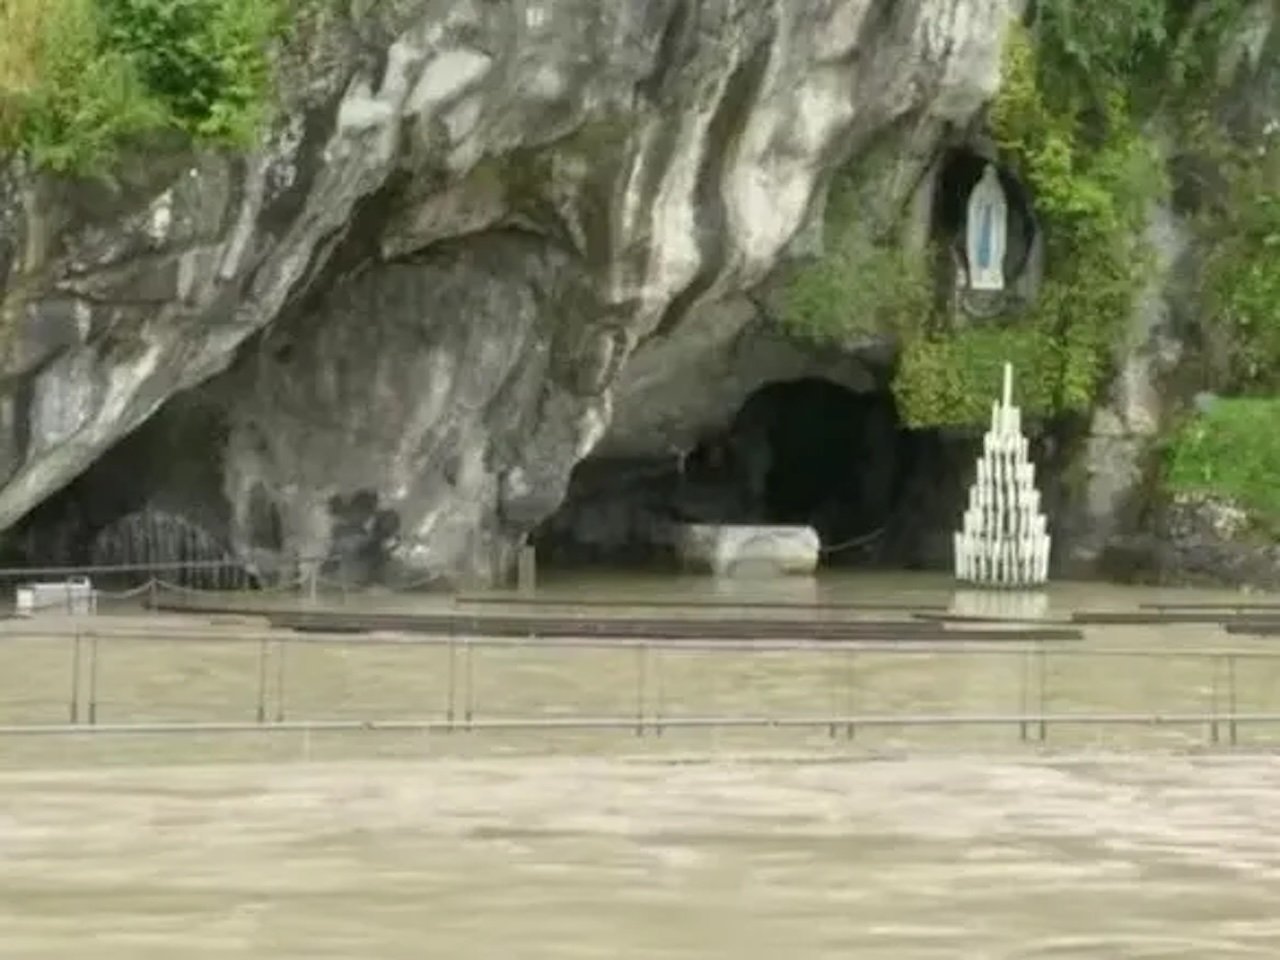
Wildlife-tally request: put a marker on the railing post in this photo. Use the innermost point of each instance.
(642, 664)
(450, 709)
(262, 681)
(1043, 658)
(850, 700)
(469, 681)
(659, 693)
(1231, 684)
(1024, 681)
(75, 677)
(282, 648)
(1214, 662)
(93, 679)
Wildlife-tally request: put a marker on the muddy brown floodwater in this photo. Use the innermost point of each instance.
(1097, 844)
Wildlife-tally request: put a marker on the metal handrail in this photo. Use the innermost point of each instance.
(435, 724)
(959, 647)
(1033, 718)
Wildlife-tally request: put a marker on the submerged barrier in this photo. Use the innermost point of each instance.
(269, 689)
(694, 603)
(693, 628)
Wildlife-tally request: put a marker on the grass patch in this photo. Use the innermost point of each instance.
(1230, 451)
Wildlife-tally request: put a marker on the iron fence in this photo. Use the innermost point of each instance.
(126, 581)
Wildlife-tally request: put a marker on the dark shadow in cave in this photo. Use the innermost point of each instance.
(815, 453)
(805, 451)
(155, 498)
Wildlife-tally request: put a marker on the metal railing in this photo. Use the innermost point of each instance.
(305, 575)
(647, 711)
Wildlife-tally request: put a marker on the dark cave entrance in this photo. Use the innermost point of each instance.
(154, 500)
(816, 453)
(806, 451)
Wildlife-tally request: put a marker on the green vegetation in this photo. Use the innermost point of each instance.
(861, 287)
(80, 77)
(1075, 84)
(1232, 452)
(1238, 220)
(1092, 173)
(1242, 287)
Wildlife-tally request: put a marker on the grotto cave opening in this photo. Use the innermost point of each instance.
(154, 500)
(807, 451)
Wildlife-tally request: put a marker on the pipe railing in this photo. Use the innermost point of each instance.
(652, 662)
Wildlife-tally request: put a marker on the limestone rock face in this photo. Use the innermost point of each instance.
(676, 389)
(1127, 423)
(466, 219)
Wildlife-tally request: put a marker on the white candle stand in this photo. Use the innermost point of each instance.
(1004, 541)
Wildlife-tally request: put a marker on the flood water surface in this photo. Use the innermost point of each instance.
(956, 842)
(1116, 858)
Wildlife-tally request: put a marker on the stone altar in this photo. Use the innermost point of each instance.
(736, 550)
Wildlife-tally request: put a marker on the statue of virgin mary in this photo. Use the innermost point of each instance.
(986, 229)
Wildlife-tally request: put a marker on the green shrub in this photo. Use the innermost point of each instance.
(860, 288)
(79, 98)
(1231, 451)
(205, 60)
(858, 291)
(1242, 291)
(80, 77)
(953, 380)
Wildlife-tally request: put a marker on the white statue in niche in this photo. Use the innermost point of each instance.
(986, 227)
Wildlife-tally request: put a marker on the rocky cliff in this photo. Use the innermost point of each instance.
(407, 309)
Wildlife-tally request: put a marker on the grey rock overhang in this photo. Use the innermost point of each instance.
(731, 115)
